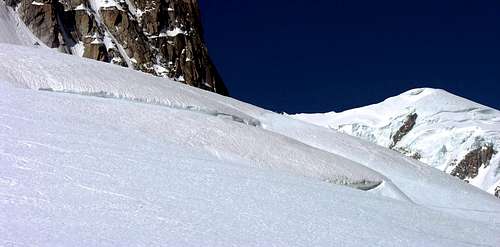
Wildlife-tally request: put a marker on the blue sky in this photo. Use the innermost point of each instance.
(318, 56)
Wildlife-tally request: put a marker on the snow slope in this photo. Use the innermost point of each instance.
(447, 128)
(421, 183)
(88, 171)
(251, 144)
(119, 158)
(29, 68)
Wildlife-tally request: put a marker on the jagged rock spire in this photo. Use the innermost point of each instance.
(161, 37)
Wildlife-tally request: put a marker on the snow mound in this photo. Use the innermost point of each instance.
(259, 147)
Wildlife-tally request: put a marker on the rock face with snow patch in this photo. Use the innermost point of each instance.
(469, 166)
(404, 129)
(445, 131)
(161, 37)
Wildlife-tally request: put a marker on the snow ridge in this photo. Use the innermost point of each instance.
(114, 82)
(153, 101)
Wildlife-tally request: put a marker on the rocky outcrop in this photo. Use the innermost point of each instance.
(412, 154)
(161, 37)
(40, 17)
(469, 166)
(407, 126)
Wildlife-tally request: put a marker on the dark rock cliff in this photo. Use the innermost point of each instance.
(161, 37)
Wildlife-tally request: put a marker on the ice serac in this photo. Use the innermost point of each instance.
(445, 131)
(161, 37)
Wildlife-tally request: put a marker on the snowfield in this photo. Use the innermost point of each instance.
(253, 144)
(98, 155)
(84, 171)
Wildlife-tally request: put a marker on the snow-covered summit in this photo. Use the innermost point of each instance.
(446, 131)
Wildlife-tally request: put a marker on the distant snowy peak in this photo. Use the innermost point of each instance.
(445, 131)
(163, 38)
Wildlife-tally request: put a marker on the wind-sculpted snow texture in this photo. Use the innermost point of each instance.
(283, 153)
(451, 133)
(87, 171)
(104, 81)
(105, 156)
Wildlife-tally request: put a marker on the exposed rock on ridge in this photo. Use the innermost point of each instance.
(470, 164)
(404, 129)
(161, 37)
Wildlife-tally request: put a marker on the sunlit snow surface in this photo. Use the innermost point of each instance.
(82, 171)
(97, 155)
